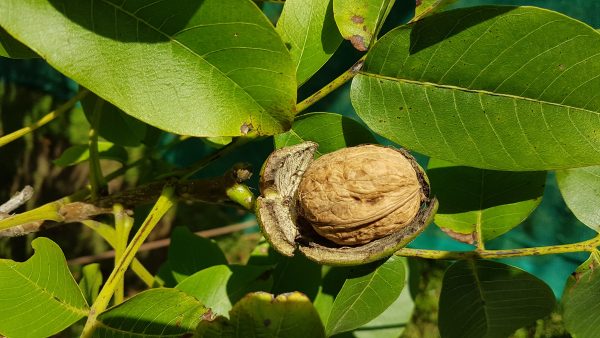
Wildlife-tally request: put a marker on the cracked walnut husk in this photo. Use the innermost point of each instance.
(352, 206)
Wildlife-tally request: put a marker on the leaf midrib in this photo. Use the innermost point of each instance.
(173, 40)
(475, 91)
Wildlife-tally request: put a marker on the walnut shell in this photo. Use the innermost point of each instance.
(355, 195)
(352, 206)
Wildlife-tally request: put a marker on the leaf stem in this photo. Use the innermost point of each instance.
(97, 181)
(331, 86)
(108, 234)
(164, 203)
(4, 140)
(589, 245)
(123, 225)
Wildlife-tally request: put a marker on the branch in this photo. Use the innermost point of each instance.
(589, 245)
(331, 86)
(66, 210)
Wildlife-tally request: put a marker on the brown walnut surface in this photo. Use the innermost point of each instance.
(358, 194)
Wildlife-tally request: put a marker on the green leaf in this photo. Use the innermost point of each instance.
(360, 20)
(331, 131)
(509, 88)
(427, 7)
(489, 299)
(188, 254)
(152, 313)
(296, 273)
(580, 189)
(260, 314)
(209, 68)
(367, 293)
(490, 200)
(220, 286)
(81, 153)
(332, 281)
(114, 125)
(11, 48)
(308, 30)
(581, 297)
(391, 323)
(91, 281)
(39, 297)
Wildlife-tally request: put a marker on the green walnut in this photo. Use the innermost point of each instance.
(353, 206)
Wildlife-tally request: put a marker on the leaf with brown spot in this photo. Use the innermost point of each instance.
(360, 20)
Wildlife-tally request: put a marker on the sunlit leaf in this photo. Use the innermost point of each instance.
(330, 131)
(360, 20)
(39, 297)
(368, 292)
(580, 299)
(162, 64)
(580, 189)
(188, 254)
(220, 286)
(510, 88)
(308, 30)
(152, 313)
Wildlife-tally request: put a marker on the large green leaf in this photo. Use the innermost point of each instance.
(510, 88)
(188, 254)
(331, 131)
(152, 313)
(201, 68)
(220, 286)
(360, 20)
(39, 297)
(368, 292)
(308, 29)
(260, 314)
(490, 200)
(580, 189)
(11, 48)
(390, 323)
(489, 299)
(581, 298)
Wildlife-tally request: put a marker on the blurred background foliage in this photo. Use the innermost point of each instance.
(30, 88)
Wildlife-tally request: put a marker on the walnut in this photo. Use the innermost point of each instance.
(355, 195)
(352, 206)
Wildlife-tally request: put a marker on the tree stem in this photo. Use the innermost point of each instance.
(331, 86)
